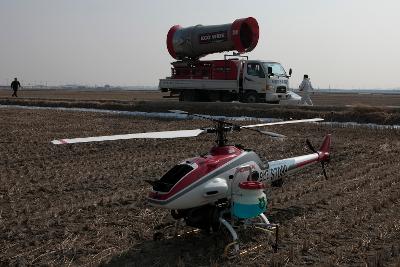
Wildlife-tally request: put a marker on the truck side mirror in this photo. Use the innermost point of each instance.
(290, 72)
(270, 73)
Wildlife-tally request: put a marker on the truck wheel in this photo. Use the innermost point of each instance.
(202, 97)
(226, 97)
(188, 96)
(251, 97)
(213, 96)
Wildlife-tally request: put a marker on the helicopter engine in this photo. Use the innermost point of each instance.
(203, 217)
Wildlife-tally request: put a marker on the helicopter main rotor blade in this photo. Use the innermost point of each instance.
(177, 111)
(281, 122)
(153, 135)
(272, 134)
(249, 127)
(246, 126)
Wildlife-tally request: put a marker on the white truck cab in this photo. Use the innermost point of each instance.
(266, 78)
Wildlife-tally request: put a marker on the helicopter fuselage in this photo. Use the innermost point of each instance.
(207, 179)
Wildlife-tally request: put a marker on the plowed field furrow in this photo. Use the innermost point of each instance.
(362, 203)
(86, 204)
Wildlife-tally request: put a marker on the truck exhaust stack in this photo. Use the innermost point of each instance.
(198, 41)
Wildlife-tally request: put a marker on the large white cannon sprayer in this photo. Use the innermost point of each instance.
(233, 78)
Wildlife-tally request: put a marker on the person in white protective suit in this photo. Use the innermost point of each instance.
(307, 90)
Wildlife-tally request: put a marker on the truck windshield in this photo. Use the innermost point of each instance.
(277, 69)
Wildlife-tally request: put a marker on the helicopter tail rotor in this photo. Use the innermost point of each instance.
(310, 146)
(323, 152)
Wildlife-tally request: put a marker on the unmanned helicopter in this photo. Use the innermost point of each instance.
(225, 187)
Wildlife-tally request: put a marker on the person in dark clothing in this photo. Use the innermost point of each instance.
(15, 85)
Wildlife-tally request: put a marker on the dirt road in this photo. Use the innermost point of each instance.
(321, 99)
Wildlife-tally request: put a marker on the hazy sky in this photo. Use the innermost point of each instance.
(339, 43)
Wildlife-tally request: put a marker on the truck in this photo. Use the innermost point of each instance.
(235, 78)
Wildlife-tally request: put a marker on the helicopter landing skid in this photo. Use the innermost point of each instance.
(232, 249)
(172, 231)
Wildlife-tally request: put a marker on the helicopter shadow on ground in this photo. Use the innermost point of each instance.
(277, 215)
(193, 250)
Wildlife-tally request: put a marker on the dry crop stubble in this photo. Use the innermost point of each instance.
(85, 204)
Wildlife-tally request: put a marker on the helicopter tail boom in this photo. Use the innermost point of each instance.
(322, 155)
(283, 167)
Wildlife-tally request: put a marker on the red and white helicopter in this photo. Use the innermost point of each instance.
(227, 185)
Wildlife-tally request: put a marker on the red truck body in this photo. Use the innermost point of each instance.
(209, 70)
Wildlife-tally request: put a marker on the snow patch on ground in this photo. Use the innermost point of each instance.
(170, 115)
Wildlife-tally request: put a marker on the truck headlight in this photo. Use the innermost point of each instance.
(269, 87)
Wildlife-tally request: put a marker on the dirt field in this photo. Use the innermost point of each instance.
(320, 99)
(88, 95)
(85, 204)
(358, 113)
